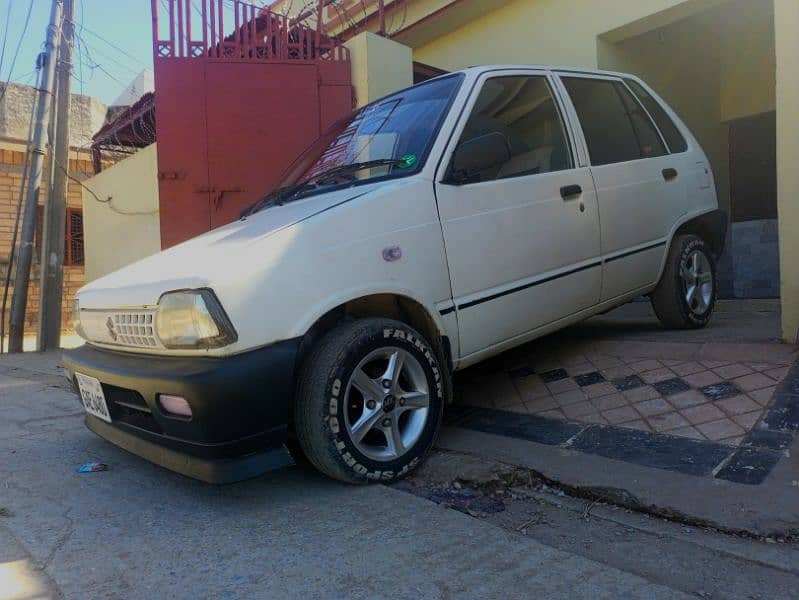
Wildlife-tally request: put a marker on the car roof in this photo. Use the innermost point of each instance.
(476, 69)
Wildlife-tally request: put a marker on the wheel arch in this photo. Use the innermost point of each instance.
(389, 305)
(710, 226)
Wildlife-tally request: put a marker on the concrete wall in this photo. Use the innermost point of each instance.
(87, 115)
(125, 228)
(550, 31)
(379, 66)
(787, 44)
(748, 65)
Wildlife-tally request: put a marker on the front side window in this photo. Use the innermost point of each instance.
(615, 126)
(523, 110)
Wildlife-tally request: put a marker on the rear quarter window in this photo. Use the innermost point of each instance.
(671, 134)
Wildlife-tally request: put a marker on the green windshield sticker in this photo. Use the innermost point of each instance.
(407, 161)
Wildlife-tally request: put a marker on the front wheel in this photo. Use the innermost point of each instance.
(369, 401)
(686, 294)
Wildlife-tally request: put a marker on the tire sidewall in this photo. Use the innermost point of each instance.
(688, 246)
(390, 334)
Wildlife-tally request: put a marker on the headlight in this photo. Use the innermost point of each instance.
(193, 319)
(75, 319)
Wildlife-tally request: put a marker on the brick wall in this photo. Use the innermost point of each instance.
(10, 176)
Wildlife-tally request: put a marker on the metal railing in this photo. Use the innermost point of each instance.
(235, 30)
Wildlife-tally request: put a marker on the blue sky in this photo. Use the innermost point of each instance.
(103, 68)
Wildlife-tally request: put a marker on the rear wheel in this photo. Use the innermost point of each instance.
(686, 295)
(369, 401)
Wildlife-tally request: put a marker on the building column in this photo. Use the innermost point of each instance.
(786, 20)
(379, 66)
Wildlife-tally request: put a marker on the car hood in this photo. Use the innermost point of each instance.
(211, 257)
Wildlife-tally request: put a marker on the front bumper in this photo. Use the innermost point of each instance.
(240, 404)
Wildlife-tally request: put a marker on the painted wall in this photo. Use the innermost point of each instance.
(550, 31)
(748, 67)
(126, 228)
(787, 26)
(379, 66)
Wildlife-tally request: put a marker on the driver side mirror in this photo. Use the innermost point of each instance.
(477, 155)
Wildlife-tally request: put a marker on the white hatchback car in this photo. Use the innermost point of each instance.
(428, 231)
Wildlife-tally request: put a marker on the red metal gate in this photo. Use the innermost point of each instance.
(234, 109)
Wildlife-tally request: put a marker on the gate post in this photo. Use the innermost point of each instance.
(379, 66)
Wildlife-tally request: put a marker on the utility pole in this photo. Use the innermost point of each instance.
(55, 208)
(19, 300)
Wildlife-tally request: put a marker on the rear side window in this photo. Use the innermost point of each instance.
(616, 128)
(673, 137)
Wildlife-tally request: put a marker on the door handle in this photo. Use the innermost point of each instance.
(669, 174)
(570, 191)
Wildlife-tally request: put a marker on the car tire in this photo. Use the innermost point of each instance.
(357, 417)
(686, 294)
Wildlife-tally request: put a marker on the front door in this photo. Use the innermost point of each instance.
(522, 237)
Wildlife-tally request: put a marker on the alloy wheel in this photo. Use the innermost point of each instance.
(697, 277)
(387, 403)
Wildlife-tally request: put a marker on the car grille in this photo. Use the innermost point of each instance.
(129, 328)
(135, 329)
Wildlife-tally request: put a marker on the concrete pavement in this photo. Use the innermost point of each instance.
(137, 531)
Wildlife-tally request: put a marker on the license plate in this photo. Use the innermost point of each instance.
(91, 393)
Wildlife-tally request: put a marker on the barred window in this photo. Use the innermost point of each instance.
(73, 236)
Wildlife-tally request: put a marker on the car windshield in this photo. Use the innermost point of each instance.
(388, 138)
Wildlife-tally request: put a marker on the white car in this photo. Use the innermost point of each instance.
(426, 232)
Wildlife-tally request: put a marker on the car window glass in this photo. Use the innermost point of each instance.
(674, 138)
(606, 124)
(649, 140)
(523, 110)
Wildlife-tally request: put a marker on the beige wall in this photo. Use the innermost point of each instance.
(126, 228)
(748, 66)
(563, 32)
(787, 30)
(379, 66)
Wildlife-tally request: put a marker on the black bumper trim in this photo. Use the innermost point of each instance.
(241, 404)
(215, 471)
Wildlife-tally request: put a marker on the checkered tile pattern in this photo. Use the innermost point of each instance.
(712, 400)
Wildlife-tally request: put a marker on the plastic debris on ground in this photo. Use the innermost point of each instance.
(92, 467)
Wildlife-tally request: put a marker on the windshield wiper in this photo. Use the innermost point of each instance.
(277, 197)
(288, 193)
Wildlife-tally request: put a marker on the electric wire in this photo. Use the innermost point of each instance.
(112, 45)
(16, 51)
(5, 35)
(108, 201)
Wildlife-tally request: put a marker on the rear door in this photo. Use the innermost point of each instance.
(638, 183)
(522, 239)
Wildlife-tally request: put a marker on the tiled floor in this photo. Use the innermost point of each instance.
(716, 401)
